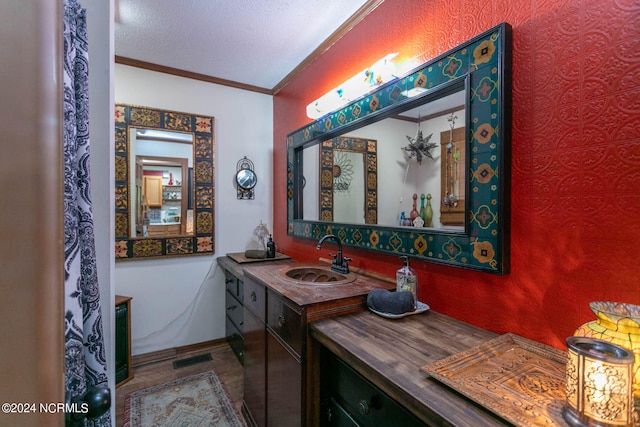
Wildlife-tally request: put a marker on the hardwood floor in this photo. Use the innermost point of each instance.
(224, 363)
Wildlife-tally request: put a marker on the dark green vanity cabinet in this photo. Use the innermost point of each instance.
(347, 399)
(286, 327)
(254, 405)
(281, 385)
(389, 355)
(234, 319)
(274, 361)
(124, 371)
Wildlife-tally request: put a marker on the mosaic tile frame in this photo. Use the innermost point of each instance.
(202, 242)
(369, 149)
(485, 61)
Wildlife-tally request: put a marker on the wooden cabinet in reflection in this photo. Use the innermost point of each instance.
(163, 230)
(452, 176)
(152, 191)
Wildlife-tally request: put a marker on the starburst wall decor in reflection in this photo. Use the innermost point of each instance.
(420, 147)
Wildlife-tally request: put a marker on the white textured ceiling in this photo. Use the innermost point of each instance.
(254, 42)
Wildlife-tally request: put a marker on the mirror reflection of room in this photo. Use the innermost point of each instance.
(440, 176)
(161, 186)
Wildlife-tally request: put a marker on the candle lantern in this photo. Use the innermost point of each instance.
(599, 383)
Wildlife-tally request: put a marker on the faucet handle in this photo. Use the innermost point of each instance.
(344, 267)
(334, 256)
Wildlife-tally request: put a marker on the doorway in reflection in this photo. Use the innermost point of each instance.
(161, 185)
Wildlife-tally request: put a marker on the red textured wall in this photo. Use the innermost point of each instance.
(575, 233)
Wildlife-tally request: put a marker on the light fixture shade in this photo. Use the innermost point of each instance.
(382, 71)
(617, 323)
(599, 383)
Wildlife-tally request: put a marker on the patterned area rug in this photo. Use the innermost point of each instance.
(198, 400)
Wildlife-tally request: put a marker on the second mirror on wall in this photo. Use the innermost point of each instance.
(164, 174)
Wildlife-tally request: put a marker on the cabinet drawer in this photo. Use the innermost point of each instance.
(255, 298)
(255, 372)
(234, 311)
(234, 285)
(285, 322)
(234, 337)
(363, 401)
(335, 415)
(284, 386)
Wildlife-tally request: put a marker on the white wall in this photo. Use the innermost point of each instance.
(180, 301)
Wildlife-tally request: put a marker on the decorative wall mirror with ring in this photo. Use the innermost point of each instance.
(164, 175)
(246, 179)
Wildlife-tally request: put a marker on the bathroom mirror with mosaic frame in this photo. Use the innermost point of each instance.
(179, 219)
(481, 68)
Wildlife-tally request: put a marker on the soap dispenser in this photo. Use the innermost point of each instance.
(271, 248)
(406, 280)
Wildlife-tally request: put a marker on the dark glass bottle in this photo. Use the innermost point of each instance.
(271, 248)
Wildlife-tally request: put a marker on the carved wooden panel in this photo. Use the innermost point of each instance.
(521, 380)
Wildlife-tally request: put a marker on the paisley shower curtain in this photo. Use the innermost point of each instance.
(85, 366)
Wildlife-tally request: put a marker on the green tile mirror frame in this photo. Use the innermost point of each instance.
(196, 234)
(482, 68)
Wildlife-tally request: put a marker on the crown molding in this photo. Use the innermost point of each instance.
(189, 74)
(358, 16)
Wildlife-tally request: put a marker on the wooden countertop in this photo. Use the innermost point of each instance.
(230, 265)
(306, 295)
(319, 301)
(121, 298)
(390, 354)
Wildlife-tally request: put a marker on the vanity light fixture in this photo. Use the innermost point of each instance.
(599, 383)
(382, 71)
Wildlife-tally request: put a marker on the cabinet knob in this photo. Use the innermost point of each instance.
(363, 406)
(232, 307)
(227, 281)
(254, 297)
(281, 320)
(329, 414)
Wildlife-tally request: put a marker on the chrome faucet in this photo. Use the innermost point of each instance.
(339, 264)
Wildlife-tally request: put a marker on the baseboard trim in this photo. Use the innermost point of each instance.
(172, 353)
